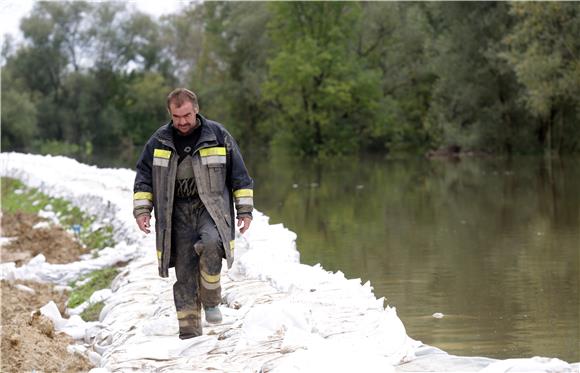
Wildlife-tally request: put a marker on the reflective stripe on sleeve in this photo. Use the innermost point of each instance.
(143, 195)
(142, 203)
(245, 201)
(244, 197)
(243, 193)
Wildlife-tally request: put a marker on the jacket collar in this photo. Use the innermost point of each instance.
(206, 138)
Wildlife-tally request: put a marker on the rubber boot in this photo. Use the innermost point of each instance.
(213, 315)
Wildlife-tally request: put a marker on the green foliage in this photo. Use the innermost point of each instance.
(393, 38)
(99, 238)
(323, 98)
(544, 52)
(19, 113)
(473, 91)
(96, 280)
(17, 197)
(56, 147)
(18, 119)
(145, 105)
(231, 66)
(314, 78)
(92, 312)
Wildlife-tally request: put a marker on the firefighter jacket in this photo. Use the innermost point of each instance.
(221, 179)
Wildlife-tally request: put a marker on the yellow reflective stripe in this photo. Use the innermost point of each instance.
(217, 150)
(243, 193)
(209, 285)
(209, 278)
(189, 323)
(232, 244)
(159, 254)
(187, 313)
(143, 195)
(161, 153)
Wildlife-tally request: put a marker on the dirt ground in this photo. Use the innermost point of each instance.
(29, 341)
(54, 243)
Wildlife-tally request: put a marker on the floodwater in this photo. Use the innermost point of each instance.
(492, 244)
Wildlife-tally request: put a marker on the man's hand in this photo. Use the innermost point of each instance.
(244, 223)
(143, 222)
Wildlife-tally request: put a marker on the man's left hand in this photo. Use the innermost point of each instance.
(244, 223)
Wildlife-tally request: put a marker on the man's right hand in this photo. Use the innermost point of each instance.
(143, 222)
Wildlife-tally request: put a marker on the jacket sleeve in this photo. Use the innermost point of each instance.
(239, 180)
(143, 188)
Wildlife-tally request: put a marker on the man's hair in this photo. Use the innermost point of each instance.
(180, 96)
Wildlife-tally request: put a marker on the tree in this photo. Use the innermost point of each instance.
(544, 52)
(229, 67)
(321, 96)
(475, 96)
(393, 39)
(144, 110)
(19, 125)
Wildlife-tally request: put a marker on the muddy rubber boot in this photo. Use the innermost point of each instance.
(213, 315)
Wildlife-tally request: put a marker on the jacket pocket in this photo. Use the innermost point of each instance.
(217, 177)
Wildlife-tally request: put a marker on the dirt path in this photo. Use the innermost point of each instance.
(29, 341)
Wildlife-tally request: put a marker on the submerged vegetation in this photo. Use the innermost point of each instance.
(319, 78)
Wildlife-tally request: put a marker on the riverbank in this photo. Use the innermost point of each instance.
(279, 315)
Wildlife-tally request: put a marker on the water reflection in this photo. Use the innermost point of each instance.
(492, 244)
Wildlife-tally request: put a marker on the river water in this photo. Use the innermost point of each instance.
(492, 244)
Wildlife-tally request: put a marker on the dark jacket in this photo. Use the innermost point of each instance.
(221, 179)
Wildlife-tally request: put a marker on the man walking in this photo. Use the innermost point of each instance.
(191, 173)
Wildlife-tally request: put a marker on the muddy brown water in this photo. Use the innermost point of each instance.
(492, 244)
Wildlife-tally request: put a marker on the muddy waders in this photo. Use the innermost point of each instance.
(198, 263)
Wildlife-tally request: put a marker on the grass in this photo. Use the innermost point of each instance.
(17, 197)
(97, 280)
(92, 312)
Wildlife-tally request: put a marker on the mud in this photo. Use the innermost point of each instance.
(29, 341)
(55, 243)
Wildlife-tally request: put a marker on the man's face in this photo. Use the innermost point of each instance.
(184, 119)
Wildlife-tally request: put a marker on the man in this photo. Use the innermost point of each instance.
(190, 173)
